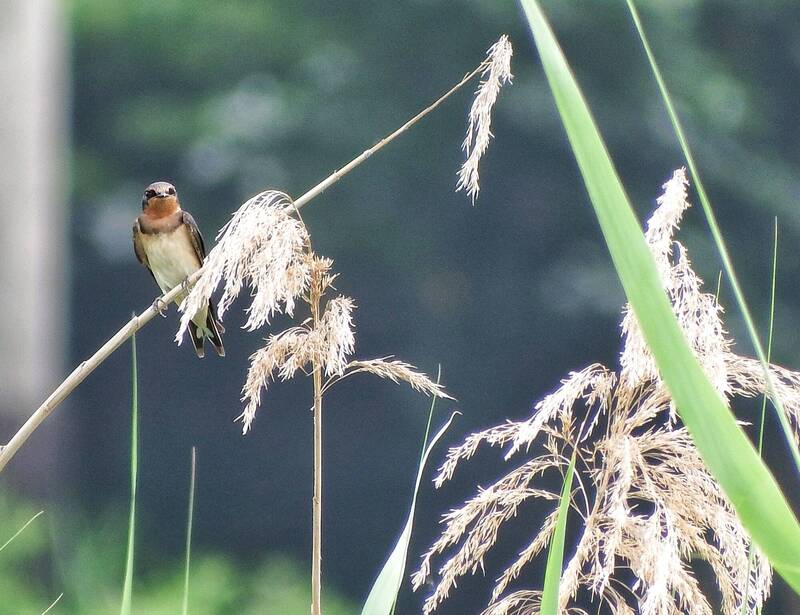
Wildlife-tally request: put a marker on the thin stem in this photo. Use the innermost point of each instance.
(189, 524)
(751, 553)
(316, 507)
(769, 337)
(127, 588)
(55, 602)
(20, 530)
(316, 564)
(430, 417)
(337, 175)
(80, 373)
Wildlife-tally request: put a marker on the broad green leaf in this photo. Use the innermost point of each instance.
(383, 594)
(555, 554)
(724, 447)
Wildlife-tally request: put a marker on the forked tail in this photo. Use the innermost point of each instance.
(213, 331)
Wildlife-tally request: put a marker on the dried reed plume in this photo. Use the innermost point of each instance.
(266, 247)
(263, 246)
(650, 509)
(327, 343)
(496, 72)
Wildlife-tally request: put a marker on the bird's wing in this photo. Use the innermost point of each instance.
(195, 236)
(138, 248)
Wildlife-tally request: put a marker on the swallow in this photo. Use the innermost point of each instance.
(167, 241)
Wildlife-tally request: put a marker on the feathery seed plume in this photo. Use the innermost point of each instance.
(496, 73)
(649, 506)
(398, 372)
(262, 246)
(265, 247)
(337, 340)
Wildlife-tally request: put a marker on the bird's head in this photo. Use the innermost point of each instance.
(160, 198)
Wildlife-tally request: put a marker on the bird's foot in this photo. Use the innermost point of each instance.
(161, 307)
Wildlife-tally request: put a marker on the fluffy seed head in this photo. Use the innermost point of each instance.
(263, 246)
(650, 508)
(496, 73)
(398, 372)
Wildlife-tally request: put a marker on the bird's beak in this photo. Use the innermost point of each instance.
(161, 195)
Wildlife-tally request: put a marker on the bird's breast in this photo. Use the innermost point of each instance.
(171, 256)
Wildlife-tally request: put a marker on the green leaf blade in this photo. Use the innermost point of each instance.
(127, 588)
(383, 594)
(555, 554)
(189, 526)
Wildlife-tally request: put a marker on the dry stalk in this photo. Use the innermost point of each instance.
(316, 513)
(316, 561)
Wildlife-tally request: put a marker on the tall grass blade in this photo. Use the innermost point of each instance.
(762, 419)
(189, 524)
(383, 595)
(769, 338)
(718, 239)
(555, 554)
(127, 589)
(20, 530)
(726, 450)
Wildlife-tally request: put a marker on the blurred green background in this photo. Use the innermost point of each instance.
(225, 99)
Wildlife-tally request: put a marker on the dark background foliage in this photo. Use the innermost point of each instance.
(225, 99)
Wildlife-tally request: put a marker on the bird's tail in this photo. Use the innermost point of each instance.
(212, 330)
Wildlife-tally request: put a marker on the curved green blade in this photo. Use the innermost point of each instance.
(555, 554)
(383, 594)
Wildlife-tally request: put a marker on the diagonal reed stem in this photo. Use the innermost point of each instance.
(80, 373)
(20, 530)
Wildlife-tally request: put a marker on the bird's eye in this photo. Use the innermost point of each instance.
(171, 191)
(149, 193)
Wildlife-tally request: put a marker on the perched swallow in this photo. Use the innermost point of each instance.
(167, 241)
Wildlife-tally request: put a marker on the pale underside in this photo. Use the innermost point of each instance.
(172, 259)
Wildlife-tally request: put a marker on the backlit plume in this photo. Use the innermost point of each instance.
(262, 246)
(651, 511)
(496, 73)
(266, 248)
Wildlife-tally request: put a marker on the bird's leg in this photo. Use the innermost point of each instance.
(161, 307)
(185, 284)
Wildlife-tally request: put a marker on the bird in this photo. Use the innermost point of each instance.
(168, 242)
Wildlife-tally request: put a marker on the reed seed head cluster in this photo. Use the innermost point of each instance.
(496, 72)
(651, 513)
(267, 248)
